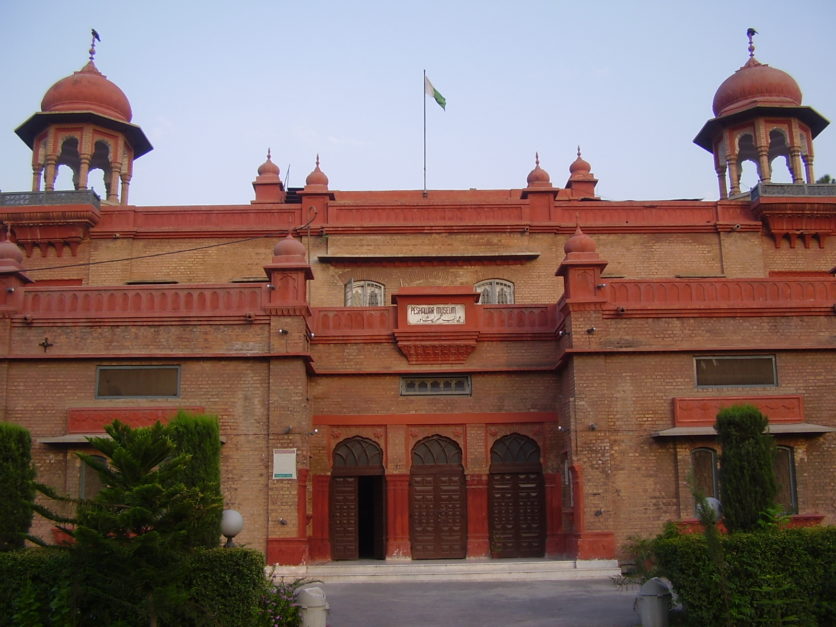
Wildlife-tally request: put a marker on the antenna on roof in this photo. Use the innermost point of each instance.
(287, 176)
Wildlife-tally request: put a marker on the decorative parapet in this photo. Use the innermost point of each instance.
(43, 219)
(697, 412)
(117, 304)
(719, 297)
(796, 212)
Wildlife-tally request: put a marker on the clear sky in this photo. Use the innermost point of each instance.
(214, 84)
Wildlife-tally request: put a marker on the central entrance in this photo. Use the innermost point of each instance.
(437, 500)
(358, 505)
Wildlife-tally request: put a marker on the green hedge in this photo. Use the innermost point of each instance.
(225, 588)
(17, 486)
(32, 579)
(768, 577)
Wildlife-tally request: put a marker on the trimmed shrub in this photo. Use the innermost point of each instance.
(17, 487)
(770, 577)
(226, 586)
(747, 479)
(36, 587)
(198, 436)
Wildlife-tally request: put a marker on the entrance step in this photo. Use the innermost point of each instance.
(367, 571)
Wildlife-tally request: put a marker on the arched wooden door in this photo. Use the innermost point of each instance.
(516, 498)
(437, 500)
(357, 504)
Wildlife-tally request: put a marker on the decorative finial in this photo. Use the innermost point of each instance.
(537, 159)
(268, 154)
(751, 32)
(579, 151)
(93, 42)
(317, 159)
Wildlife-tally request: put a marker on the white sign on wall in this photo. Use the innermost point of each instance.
(435, 314)
(284, 463)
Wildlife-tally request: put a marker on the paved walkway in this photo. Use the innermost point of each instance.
(590, 603)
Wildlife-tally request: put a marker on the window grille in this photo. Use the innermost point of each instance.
(495, 292)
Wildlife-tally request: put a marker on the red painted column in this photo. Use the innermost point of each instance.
(478, 544)
(320, 542)
(554, 514)
(397, 517)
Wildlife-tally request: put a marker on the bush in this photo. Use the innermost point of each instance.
(225, 588)
(36, 587)
(747, 479)
(17, 476)
(770, 577)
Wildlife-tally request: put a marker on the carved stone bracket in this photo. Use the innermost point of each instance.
(436, 348)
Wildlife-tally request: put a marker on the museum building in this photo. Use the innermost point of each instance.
(431, 374)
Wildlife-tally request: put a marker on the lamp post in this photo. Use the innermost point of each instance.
(231, 524)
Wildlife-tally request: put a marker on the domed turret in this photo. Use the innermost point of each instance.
(580, 242)
(289, 247)
(268, 168)
(316, 179)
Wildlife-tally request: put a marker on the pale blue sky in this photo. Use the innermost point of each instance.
(214, 84)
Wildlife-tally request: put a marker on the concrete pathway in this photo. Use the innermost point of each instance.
(589, 603)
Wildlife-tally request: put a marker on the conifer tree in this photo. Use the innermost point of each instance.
(17, 487)
(747, 479)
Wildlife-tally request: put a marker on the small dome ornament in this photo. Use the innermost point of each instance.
(538, 177)
(317, 178)
(289, 246)
(580, 242)
(579, 165)
(9, 251)
(268, 168)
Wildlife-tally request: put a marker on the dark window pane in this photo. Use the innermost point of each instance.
(153, 381)
(736, 370)
(704, 466)
(784, 468)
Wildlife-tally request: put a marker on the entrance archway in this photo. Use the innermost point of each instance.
(516, 498)
(437, 500)
(358, 506)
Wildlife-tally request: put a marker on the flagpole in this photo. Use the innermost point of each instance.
(424, 98)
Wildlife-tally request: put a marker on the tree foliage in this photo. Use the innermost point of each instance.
(17, 487)
(747, 478)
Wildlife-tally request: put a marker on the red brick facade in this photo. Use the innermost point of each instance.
(590, 362)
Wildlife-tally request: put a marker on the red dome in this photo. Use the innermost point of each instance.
(289, 247)
(88, 90)
(538, 177)
(268, 167)
(580, 166)
(317, 177)
(756, 84)
(580, 242)
(10, 250)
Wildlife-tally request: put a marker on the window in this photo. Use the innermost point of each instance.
(149, 381)
(435, 386)
(704, 472)
(89, 481)
(736, 370)
(783, 464)
(364, 294)
(495, 292)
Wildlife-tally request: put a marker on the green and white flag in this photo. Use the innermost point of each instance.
(432, 91)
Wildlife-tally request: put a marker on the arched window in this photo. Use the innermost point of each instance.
(364, 294)
(783, 463)
(495, 292)
(704, 471)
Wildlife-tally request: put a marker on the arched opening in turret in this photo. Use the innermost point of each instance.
(67, 178)
(99, 181)
(747, 162)
(778, 147)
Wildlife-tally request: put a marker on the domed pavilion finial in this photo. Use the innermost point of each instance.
(750, 33)
(537, 159)
(95, 38)
(579, 151)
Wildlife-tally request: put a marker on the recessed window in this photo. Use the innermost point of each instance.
(739, 370)
(364, 294)
(783, 463)
(495, 292)
(704, 472)
(89, 481)
(436, 386)
(132, 381)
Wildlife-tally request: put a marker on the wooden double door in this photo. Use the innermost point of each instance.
(437, 500)
(516, 499)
